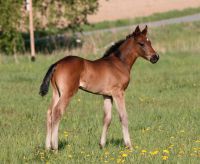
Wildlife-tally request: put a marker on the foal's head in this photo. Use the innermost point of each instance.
(143, 46)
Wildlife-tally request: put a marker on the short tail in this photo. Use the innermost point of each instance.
(45, 83)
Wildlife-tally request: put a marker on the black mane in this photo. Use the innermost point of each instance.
(115, 46)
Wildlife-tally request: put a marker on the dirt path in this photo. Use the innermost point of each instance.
(189, 18)
(121, 9)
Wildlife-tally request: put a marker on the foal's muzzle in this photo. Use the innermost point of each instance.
(154, 58)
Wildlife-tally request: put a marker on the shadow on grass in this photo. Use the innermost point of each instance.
(115, 142)
(62, 144)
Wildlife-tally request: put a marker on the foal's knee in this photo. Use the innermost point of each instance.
(123, 119)
(56, 115)
(107, 120)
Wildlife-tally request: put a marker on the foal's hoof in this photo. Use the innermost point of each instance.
(129, 146)
(50, 149)
(101, 145)
(47, 148)
(55, 151)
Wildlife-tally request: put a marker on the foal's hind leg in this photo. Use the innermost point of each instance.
(106, 120)
(54, 101)
(57, 113)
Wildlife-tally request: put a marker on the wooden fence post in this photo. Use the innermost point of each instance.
(32, 42)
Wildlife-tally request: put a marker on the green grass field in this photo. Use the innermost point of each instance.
(163, 104)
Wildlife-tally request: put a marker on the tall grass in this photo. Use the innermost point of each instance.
(163, 104)
(172, 38)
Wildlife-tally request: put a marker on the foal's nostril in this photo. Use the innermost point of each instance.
(154, 58)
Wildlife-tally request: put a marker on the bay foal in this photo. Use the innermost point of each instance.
(108, 76)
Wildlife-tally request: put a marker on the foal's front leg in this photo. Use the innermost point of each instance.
(120, 104)
(106, 120)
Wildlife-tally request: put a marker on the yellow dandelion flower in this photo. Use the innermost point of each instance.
(70, 156)
(105, 161)
(171, 146)
(164, 157)
(112, 159)
(136, 147)
(197, 141)
(166, 151)
(194, 148)
(106, 153)
(143, 151)
(154, 152)
(172, 137)
(79, 100)
(124, 155)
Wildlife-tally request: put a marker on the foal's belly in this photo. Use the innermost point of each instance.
(97, 88)
(103, 85)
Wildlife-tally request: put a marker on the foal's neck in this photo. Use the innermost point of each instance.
(128, 53)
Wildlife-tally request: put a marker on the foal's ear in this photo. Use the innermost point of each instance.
(137, 30)
(144, 32)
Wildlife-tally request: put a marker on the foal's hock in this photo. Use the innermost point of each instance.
(108, 76)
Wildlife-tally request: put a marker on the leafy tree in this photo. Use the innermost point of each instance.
(65, 14)
(58, 13)
(10, 17)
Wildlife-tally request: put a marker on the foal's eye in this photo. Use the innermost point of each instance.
(141, 44)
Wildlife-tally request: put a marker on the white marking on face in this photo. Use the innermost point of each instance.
(147, 39)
